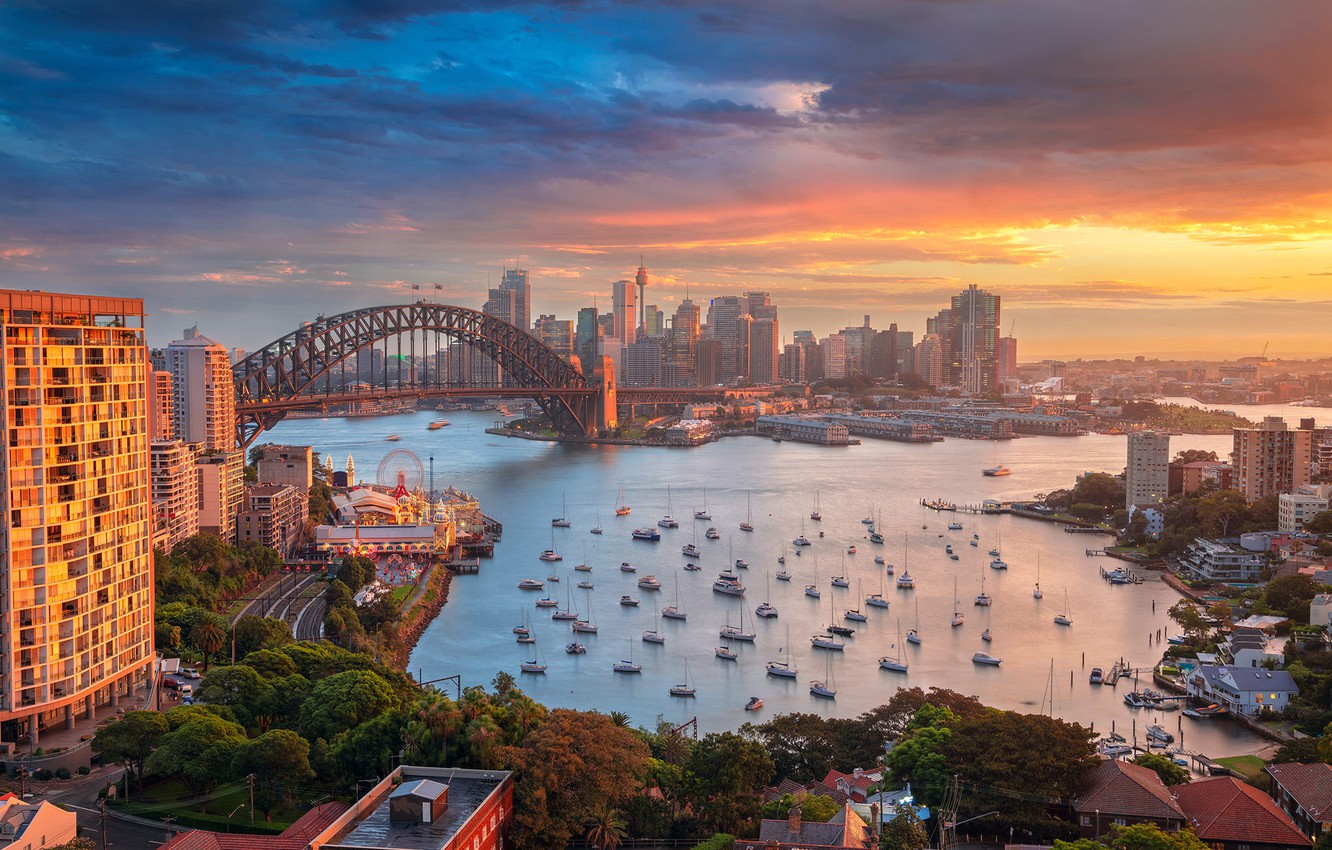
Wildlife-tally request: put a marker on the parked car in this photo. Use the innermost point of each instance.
(171, 684)
(191, 673)
(187, 690)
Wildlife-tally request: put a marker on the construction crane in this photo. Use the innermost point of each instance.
(1265, 345)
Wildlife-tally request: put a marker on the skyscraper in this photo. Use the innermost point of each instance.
(683, 339)
(1006, 355)
(1147, 474)
(971, 353)
(587, 339)
(929, 359)
(75, 547)
(763, 349)
(622, 308)
(722, 313)
(515, 281)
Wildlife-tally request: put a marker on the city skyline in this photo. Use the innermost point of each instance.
(1128, 189)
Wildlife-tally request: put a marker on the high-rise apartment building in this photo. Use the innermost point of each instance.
(708, 363)
(1147, 474)
(744, 329)
(76, 580)
(587, 338)
(683, 338)
(833, 349)
(515, 281)
(161, 406)
(203, 391)
(793, 364)
(274, 516)
(883, 353)
(1271, 459)
(642, 364)
(930, 359)
(175, 493)
(971, 353)
(556, 334)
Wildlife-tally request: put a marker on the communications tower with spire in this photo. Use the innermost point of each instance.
(641, 280)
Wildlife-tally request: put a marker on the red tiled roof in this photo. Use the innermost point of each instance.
(1225, 809)
(295, 837)
(1309, 784)
(1120, 788)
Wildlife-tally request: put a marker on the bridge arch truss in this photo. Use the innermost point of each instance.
(299, 370)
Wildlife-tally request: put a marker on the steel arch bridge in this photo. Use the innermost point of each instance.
(300, 370)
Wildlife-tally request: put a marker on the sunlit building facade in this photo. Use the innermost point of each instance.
(76, 613)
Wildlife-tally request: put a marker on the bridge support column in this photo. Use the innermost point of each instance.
(606, 413)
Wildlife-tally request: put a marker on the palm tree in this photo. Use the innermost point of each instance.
(606, 829)
(207, 637)
(442, 716)
(619, 718)
(482, 733)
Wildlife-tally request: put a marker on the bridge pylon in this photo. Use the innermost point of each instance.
(606, 415)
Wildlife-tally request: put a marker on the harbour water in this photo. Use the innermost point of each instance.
(524, 484)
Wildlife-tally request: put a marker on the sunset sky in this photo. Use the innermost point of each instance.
(1132, 177)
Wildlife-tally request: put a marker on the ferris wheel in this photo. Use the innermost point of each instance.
(401, 468)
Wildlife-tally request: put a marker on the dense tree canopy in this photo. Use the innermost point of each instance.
(132, 739)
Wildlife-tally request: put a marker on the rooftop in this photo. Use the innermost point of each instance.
(1309, 784)
(468, 790)
(1225, 809)
(1119, 788)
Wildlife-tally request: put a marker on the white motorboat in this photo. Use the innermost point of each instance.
(690, 550)
(754, 704)
(712, 534)
(827, 641)
(728, 584)
(626, 567)
(986, 659)
(550, 555)
(691, 567)
(531, 584)
(575, 648)
(649, 583)
(629, 601)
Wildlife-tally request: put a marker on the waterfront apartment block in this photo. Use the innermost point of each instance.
(175, 493)
(1147, 475)
(1214, 560)
(804, 430)
(76, 580)
(1272, 458)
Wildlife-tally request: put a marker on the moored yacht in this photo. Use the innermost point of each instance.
(646, 534)
(986, 659)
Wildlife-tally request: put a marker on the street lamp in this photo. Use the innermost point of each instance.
(233, 812)
(1098, 824)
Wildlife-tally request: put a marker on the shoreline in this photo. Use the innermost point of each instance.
(422, 612)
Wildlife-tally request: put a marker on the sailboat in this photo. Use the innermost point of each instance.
(855, 614)
(748, 524)
(985, 635)
(668, 521)
(876, 533)
(783, 669)
(905, 581)
(674, 612)
(878, 600)
(765, 608)
(538, 662)
(596, 529)
(730, 632)
(983, 598)
(813, 589)
(895, 663)
(524, 627)
(621, 509)
(703, 514)
(690, 550)
(783, 574)
(654, 635)
(815, 514)
(1037, 593)
(623, 666)
(567, 612)
(1064, 619)
(826, 689)
(913, 635)
(550, 554)
(561, 521)
(802, 540)
(957, 605)
(994, 553)
(588, 626)
(685, 688)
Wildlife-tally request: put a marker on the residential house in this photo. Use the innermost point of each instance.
(295, 837)
(1118, 793)
(1320, 610)
(846, 829)
(1215, 560)
(30, 826)
(1242, 690)
(1230, 815)
(1250, 647)
(1304, 791)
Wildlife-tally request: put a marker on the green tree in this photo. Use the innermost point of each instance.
(131, 740)
(198, 753)
(253, 633)
(1320, 523)
(240, 687)
(207, 637)
(277, 759)
(1170, 773)
(1098, 488)
(1291, 595)
(906, 831)
(1193, 456)
(1189, 618)
(1218, 510)
(606, 829)
(356, 572)
(1149, 836)
(345, 700)
(726, 763)
(1263, 514)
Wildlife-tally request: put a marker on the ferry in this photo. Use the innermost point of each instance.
(437, 424)
(996, 471)
(650, 534)
(392, 438)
